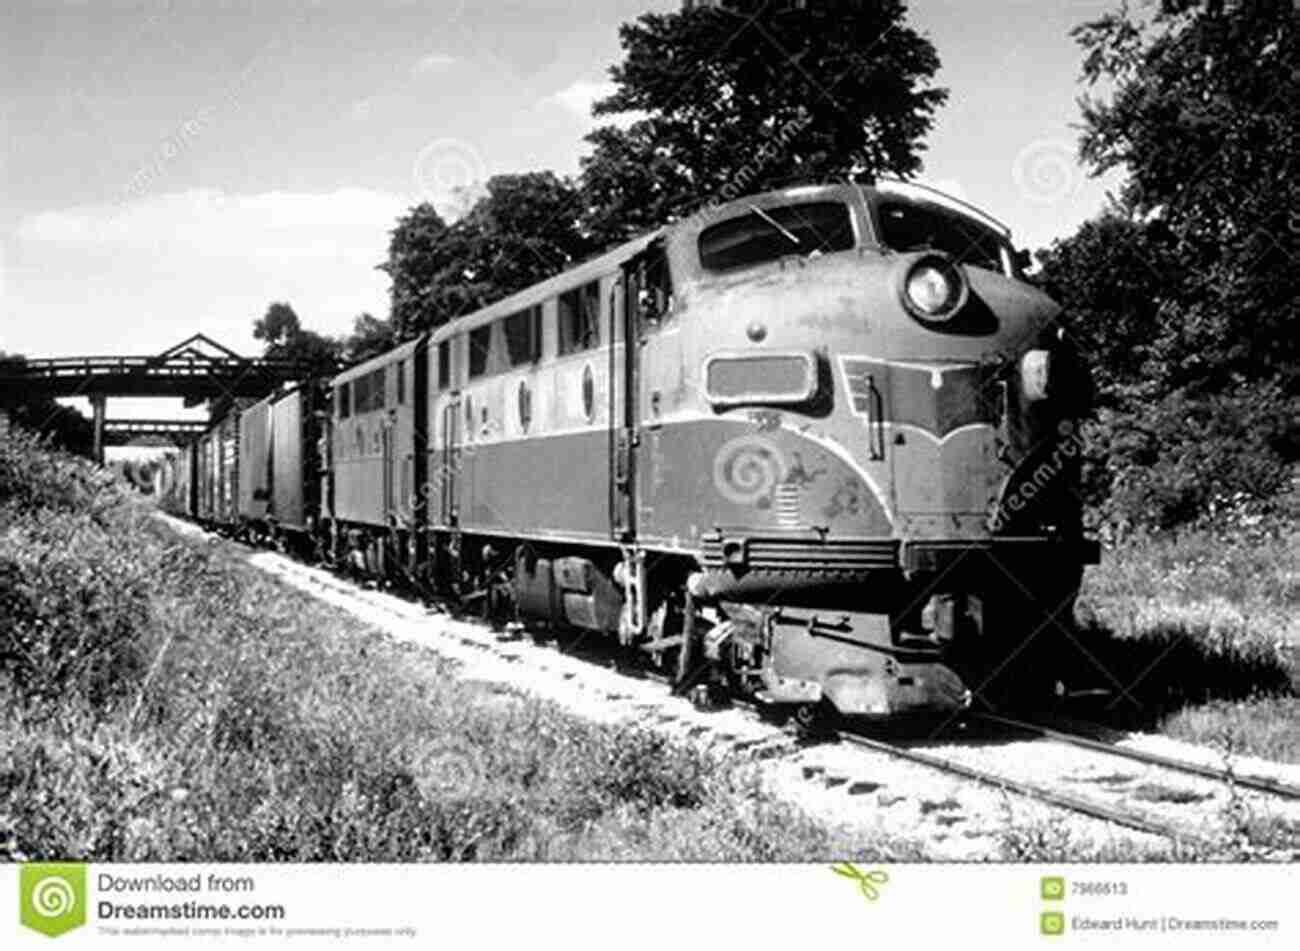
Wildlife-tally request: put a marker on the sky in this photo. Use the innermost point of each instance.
(171, 167)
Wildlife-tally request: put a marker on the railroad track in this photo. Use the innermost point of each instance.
(1128, 817)
(1263, 784)
(1052, 797)
(473, 638)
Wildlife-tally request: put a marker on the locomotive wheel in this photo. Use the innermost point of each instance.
(812, 720)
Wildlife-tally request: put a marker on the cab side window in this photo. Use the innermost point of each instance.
(653, 286)
(579, 318)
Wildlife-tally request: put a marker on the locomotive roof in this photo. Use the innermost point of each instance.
(401, 351)
(574, 277)
(595, 267)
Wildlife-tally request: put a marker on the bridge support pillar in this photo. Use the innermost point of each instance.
(98, 404)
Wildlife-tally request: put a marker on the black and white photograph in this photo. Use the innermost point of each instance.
(665, 461)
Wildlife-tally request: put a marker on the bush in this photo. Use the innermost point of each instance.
(1167, 462)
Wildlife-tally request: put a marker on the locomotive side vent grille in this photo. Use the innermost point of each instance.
(805, 554)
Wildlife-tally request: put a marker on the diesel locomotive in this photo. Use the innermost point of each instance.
(816, 446)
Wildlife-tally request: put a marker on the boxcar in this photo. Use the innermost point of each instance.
(254, 491)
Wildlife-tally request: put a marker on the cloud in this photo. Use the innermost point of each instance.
(579, 95)
(432, 63)
(136, 277)
(271, 225)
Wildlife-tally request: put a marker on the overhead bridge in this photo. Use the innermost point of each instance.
(123, 432)
(196, 370)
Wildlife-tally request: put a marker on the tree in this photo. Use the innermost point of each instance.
(1202, 118)
(61, 425)
(735, 99)
(417, 264)
(522, 231)
(282, 332)
(370, 336)
(1113, 275)
(1186, 293)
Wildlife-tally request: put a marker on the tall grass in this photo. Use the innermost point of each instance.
(163, 701)
(1201, 628)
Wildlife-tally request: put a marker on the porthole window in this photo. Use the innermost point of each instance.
(525, 406)
(588, 393)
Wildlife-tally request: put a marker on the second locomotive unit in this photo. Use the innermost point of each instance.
(817, 445)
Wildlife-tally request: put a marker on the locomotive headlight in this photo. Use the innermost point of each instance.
(1036, 375)
(934, 290)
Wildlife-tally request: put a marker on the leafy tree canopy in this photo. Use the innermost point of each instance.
(1202, 117)
(286, 339)
(734, 100)
(61, 425)
(1185, 293)
(370, 337)
(523, 230)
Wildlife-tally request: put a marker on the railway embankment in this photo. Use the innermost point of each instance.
(160, 699)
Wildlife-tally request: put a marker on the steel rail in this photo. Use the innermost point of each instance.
(1031, 790)
(1258, 783)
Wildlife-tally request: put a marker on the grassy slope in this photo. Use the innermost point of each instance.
(1206, 625)
(162, 701)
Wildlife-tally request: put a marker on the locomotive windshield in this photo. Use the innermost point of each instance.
(765, 234)
(913, 226)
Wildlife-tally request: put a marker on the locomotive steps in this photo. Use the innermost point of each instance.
(963, 796)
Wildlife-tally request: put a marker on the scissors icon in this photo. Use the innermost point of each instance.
(867, 881)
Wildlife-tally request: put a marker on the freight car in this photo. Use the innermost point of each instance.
(280, 474)
(816, 446)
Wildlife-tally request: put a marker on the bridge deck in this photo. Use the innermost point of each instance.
(195, 379)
